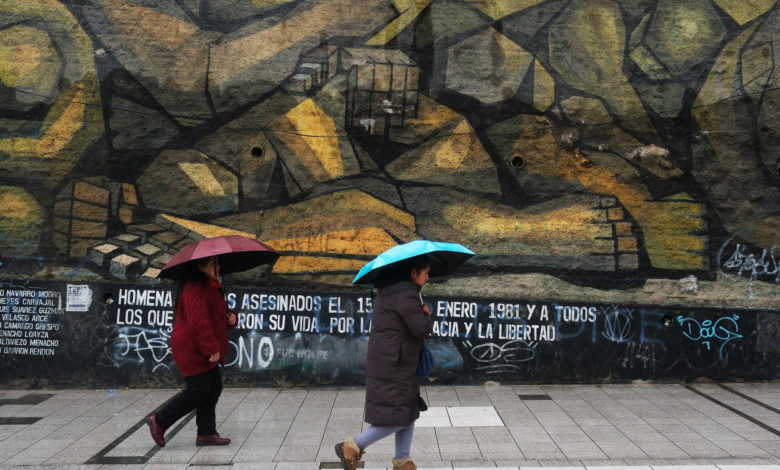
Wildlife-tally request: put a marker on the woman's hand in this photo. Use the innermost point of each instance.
(214, 357)
(232, 318)
(426, 310)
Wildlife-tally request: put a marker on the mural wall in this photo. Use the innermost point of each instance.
(587, 150)
(66, 335)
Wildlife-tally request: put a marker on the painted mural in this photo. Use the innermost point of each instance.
(592, 142)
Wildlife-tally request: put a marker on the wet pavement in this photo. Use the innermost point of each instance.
(710, 426)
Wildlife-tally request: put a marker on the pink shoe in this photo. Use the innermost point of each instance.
(158, 433)
(212, 440)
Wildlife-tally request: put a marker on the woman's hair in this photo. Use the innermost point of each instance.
(418, 262)
(402, 271)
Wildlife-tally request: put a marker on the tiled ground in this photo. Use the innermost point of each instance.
(611, 427)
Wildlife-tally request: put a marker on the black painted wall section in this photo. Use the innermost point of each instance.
(56, 334)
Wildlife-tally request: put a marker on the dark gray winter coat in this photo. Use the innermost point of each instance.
(398, 326)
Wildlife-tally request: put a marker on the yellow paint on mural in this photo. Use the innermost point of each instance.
(667, 226)
(515, 56)
(363, 241)
(57, 136)
(316, 264)
(200, 174)
(462, 151)
(408, 14)
(205, 230)
(75, 118)
(318, 131)
(149, 23)
(573, 227)
(432, 116)
(403, 5)
(29, 61)
(25, 58)
(352, 200)
(270, 3)
(544, 88)
(13, 205)
(334, 222)
(231, 59)
(744, 11)
(500, 8)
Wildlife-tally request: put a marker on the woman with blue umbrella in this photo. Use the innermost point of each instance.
(400, 323)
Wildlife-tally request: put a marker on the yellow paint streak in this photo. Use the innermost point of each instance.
(145, 22)
(233, 58)
(568, 226)
(203, 178)
(500, 8)
(544, 87)
(407, 16)
(58, 135)
(318, 131)
(744, 11)
(337, 221)
(432, 116)
(403, 5)
(667, 226)
(26, 58)
(7, 72)
(269, 3)
(13, 206)
(206, 230)
(315, 264)
(353, 200)
(462, 151)
(22, 50)
(363, 241)
(516, 57)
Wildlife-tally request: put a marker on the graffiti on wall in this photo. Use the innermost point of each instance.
(588, 139)
(288, 337)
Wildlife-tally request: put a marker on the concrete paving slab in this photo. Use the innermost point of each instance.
(608, 427)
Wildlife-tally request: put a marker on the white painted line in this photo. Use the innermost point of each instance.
(618, 467)
(685, 467)
(491, 468)
(459, 417)
(552, 468)
(749, 467)
(434, 417)
(474, 416)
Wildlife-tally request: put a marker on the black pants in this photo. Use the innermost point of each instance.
(201, 394)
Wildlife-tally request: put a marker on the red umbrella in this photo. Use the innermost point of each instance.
(236, 253)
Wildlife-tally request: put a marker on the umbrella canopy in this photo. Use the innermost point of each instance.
(236, 253)
(445, 257)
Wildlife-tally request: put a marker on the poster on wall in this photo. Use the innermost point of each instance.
(31, 318)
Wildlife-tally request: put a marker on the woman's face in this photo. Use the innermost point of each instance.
(210, 267)
(420, 277)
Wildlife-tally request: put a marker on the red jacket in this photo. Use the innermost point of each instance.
(200, 328)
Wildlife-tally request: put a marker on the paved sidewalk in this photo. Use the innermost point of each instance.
(641, 427)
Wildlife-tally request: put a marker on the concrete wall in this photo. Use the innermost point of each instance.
(592, 152)
(116, 335)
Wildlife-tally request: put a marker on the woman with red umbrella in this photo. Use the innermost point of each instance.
(199, 340)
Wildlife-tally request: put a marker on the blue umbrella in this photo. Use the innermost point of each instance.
(445, 257)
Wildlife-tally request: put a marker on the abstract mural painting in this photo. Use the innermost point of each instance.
(590, 140)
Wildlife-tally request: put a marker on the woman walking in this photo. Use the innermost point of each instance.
(400, 322)
(199, 344)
